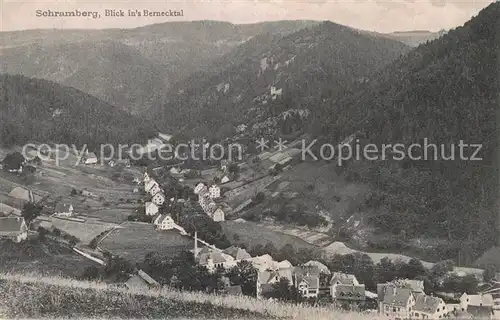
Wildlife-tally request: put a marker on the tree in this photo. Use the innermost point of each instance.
(489, 273)
(118, 269)
(414, 269)
(73, 192)
(31, 211)
(259, 197)
(13, 161)
(91, 273)
(441, 268)
(245, 275)
(282, 290)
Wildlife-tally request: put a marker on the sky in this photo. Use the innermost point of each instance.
(374, 15)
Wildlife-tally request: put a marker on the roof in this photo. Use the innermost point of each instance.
(63, 207)
(147, 278)
(397, 296)
(161, 218)
(10, 225)
(90, 155)
(237, 253)
(24, 194)
(319, 265)
(6, 209)
(216, 257)
(343, 278)
(480, 300)
(427, 304)
(350, 292)
(311, 280)
(414, 285)
(136, 282)
(266, 277)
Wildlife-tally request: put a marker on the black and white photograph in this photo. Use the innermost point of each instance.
(250, 159)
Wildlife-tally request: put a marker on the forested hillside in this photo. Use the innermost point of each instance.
(445, 91)
(305, 68)
(41, 110)
(129, 68)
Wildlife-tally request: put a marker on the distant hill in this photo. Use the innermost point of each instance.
(129, 68)
(444, 91)
(305, 68)
(414, 38)
(114, 72)
(41, 110)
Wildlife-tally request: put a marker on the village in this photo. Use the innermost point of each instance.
(173, 208)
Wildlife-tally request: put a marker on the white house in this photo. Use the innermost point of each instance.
(218, 215)
(151, 209)
(63, 210)
(395, 302)
(90, 158)
(13, 228)
(199, 188)
(225, 179)
(276, 93)
(164, 222)
(155, 189)
(308, 285)
(214, 191)
(150, 184)
(427, 307)
(159, 198)
(111, 163)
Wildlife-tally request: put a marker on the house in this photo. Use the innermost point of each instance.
(63, 210)
(159, 198)
(212, 259)
(307, 285)
(237, 253)
(200, 188)
(214, 191)
(266, 279)
(90, 158)
(135, 190)
(349, 293)
(340, 281)
(150, 184)
(164, 222)
(24, 194)
(316, 264)
(479, 305)
(151, 209)
(395, 301)
(225, 179)
(13, 228)
(416, 286)
(141, 280)
(111, 163)
(428, 307)
(217, 215)
(6, 210)
(155, 189)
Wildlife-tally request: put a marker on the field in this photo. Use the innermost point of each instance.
(85, 231)
(44, 257)
(135, 240)
(53, 297)
(251, 234)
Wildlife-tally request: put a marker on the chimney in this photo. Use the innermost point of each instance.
(195, 244)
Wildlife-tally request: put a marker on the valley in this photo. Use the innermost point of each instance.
(273, 223)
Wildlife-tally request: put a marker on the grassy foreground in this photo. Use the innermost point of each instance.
(36, 296)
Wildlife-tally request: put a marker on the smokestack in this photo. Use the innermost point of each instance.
(195, 244)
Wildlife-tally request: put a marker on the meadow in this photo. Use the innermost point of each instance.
(134, 240)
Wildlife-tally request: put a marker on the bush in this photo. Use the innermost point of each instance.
(73, 192)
